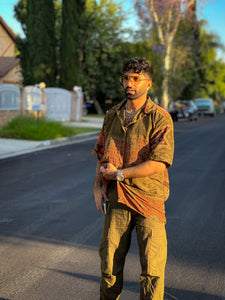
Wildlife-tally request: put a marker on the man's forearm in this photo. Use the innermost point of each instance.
(98, 178)
(144, 169)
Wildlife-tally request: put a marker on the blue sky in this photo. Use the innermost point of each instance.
(213, 11)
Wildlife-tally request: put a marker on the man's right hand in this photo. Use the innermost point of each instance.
(99, 194)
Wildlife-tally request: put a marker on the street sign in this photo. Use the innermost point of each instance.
(37, 107)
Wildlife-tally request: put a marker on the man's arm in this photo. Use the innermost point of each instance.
(144, 169)
(99, 193)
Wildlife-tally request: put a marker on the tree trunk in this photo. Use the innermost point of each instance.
(98, 107)
(165, 83)
(165, 96)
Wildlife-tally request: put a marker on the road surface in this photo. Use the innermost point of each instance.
(50, 229)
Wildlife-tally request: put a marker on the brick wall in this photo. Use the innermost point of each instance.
(8, 115)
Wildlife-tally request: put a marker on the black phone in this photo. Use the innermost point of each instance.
(104, 205)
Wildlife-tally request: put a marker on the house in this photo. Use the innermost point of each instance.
(10, 70)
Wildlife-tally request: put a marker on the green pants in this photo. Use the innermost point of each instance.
(115, 243)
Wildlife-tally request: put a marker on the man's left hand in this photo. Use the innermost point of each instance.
(108, 171)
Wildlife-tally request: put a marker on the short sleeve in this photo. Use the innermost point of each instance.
(99, 149)
(162, 140)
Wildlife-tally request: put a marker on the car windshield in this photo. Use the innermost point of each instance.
(202, 102)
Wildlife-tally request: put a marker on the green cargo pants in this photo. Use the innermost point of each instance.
(115, 243)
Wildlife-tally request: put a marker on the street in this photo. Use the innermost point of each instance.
(50, 229)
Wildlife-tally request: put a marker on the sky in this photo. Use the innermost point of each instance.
(213, 12)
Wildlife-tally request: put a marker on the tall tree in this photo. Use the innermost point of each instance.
(37, 49)
(191, 88)
(165, 16)
(72, 25)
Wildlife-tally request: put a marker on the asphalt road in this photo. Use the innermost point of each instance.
(50, 229)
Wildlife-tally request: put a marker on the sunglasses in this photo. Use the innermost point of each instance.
(134, 79)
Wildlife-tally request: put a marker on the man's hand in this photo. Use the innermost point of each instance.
(99, 194)
(108, 171)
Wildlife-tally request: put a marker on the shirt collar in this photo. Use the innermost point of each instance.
(149, 106)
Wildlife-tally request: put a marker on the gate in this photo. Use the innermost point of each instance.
(58, 104)
(32, 96)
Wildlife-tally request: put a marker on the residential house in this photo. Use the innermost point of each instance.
(10, 70)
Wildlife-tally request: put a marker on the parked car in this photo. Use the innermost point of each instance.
(172, 110)
(186, 109)
(205, 106)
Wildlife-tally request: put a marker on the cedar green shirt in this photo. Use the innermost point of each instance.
(149, 136)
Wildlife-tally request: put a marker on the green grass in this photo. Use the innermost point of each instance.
(95, 116)
(26, 127)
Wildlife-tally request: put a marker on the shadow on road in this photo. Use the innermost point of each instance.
(170, 293)
(77, 275)
(175, 294)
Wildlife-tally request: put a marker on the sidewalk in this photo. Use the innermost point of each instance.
(13, 147)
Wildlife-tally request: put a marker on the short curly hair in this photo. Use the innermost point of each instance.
(138, 65)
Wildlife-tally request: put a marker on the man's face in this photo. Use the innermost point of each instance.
(135, 84)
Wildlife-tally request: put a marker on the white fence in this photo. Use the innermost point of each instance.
(59, 104)
(9, 97)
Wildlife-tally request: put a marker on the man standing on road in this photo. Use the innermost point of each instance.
(134, 150)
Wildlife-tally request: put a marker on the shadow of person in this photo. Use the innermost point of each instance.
(176, 294)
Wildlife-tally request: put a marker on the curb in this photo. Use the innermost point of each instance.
(70, 139)
(47, 144)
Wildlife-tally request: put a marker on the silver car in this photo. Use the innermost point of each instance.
(186, 109)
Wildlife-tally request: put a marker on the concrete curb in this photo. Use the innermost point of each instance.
(71, 139)
(47, 144)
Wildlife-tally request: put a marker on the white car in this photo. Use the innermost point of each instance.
(205, 106)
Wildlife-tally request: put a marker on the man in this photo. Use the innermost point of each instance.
(134, 150)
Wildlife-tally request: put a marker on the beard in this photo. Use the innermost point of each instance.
(133, 94)
(130, 95)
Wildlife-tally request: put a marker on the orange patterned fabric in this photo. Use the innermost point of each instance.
(149, 136)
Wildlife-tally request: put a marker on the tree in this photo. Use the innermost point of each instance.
(192, 86)
(212, 69)
(103, 52)
(184, 79)
(37, 49)
(72, 25)
(20, 13)
(165, 16)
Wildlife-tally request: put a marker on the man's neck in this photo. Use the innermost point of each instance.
(134, 105)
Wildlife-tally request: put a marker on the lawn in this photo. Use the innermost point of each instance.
(95, 116)
(29, 128)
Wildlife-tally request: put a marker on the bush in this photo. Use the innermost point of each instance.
(29, 128)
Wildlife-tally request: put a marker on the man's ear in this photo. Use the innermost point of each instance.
(149, 84)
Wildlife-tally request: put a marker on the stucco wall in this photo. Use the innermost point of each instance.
(7, 46)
